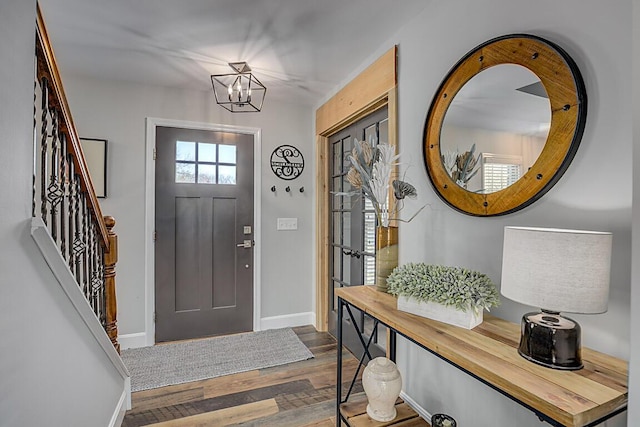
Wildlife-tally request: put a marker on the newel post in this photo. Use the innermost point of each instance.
(110, 260)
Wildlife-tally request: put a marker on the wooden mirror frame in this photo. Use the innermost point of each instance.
(568, 98)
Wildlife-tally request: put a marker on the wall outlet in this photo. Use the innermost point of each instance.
(287, 223)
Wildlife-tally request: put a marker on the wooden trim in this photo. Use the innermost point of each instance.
(322, 231)
(392, 102)
(47, 66)
(371, 90)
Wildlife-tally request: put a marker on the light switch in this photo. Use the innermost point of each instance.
(287, 223)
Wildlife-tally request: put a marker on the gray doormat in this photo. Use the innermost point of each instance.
(182, 362)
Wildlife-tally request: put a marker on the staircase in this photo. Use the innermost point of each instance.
(58, 365)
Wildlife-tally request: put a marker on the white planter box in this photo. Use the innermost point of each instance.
(439, 312)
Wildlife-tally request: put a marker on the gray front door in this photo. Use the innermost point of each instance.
(204, 233)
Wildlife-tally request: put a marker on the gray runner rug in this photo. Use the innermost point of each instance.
(181, 362)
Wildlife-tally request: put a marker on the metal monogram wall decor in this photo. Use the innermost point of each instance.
(287, 162)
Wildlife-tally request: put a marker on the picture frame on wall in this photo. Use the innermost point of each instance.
(95, 154)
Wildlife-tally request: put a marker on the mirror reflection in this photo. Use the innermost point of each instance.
(495, 128)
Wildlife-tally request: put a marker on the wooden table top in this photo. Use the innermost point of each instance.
(489, 351)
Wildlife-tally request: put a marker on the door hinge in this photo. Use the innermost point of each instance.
(155, 153)
(155, 236)
(155, 317)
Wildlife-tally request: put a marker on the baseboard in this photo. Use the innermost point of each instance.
(288, 321)
(414, 405)
(136, 340)
(118, 413)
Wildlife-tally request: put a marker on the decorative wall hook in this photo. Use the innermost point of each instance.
(302, 189)
(273, 188)
(288, 189)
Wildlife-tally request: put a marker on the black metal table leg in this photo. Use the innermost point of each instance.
(339, 364)
(392, 344)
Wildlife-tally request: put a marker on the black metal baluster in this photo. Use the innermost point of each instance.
(53, 190)
(78, 244)
(63, 201)
(43, 152)
(35, 149)
(93, 268)
(72, 212)
(86, 254)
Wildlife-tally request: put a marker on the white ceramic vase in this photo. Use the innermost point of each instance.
(382, 384)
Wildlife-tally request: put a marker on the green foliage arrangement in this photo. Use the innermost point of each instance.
(450, 286)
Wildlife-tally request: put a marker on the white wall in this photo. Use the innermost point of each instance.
(117, 111)
(52, 371)
(595, 192)
(634, 360)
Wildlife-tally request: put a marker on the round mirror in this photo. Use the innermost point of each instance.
(495, 128)
(504, 125)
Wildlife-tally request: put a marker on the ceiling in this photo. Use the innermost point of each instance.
(299, 49)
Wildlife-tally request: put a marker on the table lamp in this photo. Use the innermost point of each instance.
(558, 271)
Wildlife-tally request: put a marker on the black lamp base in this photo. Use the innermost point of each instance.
(551, 340)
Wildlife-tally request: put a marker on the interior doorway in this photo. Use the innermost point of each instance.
(372, 89)
(353, 225)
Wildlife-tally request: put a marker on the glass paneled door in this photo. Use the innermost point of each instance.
(353, 228)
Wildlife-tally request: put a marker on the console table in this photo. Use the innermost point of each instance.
(488, 352)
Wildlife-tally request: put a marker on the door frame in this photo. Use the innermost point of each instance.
(371, 90)
(150, 204)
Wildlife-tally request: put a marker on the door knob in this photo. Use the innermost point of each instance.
(247, 244)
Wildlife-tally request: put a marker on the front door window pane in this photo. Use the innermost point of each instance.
(206, 152)
(226, 174)
(227, 154)
(186, 172)
(185, 151)
(206, 174)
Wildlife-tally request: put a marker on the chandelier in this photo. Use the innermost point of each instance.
(240, 91)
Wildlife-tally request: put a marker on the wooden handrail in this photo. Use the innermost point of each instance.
(69, 207)
(47, 67)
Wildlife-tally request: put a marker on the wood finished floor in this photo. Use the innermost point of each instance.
(298, 394)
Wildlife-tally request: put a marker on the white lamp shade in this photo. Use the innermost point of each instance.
(557, 270)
